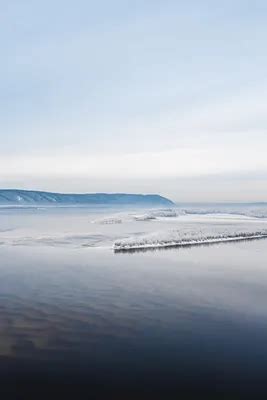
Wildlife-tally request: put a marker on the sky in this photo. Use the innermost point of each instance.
(151, 96)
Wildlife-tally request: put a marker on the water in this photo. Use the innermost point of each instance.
(78, 318)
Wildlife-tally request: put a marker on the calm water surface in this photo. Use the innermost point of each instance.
(177, 323)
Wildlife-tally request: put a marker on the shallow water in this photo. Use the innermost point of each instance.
(188, 322)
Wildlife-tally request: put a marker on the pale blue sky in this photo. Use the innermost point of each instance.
(165, 96)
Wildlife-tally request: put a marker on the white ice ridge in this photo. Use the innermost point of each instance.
(108, 221)
(157, 214)
(136, 216)
(251, 212)
(173, 213)
(182, 239)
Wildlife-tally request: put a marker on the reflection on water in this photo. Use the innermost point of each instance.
(151, 324)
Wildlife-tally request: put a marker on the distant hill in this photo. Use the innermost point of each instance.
(32, 197)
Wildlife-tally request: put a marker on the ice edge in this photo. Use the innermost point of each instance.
(186, 243)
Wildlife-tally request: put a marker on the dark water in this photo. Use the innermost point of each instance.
(180, 323)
